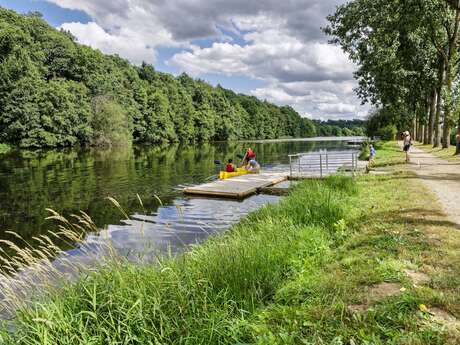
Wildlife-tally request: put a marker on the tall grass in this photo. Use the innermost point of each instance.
(203, 296)
(29, 271)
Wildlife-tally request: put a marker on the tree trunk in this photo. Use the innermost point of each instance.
(447, 108)
(457, 149)
(450, 64)
(426, 122)
(420, 130)
(425, 134)
(431, 117)
(437, 118)
(414, 128)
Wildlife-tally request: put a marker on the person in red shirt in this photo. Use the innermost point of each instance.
(230, 167)
(249, 155)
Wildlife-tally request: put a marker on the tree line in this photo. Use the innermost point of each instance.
(55, 92)
(339, 128)
(408, 64)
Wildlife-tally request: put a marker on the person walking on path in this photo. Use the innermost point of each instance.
(407, 142)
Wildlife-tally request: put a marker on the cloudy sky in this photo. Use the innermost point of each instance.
(272, 49)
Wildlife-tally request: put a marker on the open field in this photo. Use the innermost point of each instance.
(365, 261)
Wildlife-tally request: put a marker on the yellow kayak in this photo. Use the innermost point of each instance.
(239, 171)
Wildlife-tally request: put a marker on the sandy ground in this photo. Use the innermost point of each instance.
(442, 177)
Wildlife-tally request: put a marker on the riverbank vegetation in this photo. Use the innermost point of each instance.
(338, 261)
(448, 154)
(330, 128)
(51, 87)
(406, 53)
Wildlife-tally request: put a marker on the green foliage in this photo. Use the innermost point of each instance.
(49, 84)
(340, 128)
(4, 148)
(110, 123)
(406, 52)
(388, 132)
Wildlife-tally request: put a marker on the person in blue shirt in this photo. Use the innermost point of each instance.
(253, 166)
(371, 155)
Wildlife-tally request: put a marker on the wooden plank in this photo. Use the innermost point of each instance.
(237, 187)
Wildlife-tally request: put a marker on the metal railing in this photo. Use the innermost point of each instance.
(323, 163)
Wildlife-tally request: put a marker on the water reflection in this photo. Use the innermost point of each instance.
(69, 181)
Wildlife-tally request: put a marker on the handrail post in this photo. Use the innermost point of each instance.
(353, 164)
(321, 165)
(290, 166)
(298, 164)
(327, 163)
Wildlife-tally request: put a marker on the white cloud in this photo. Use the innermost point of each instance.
(124, 43)
(279, 42)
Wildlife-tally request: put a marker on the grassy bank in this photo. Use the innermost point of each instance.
(337, 262)
(448, 154)
(4, 148)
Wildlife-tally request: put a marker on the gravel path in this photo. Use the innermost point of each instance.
(442, 177)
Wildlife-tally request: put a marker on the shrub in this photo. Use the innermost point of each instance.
(387, 133)
(4, 148)
(111, 124)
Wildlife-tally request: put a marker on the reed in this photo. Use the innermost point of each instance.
(31, 272)
(198, 298)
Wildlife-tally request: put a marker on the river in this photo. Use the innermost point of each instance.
(74, 180)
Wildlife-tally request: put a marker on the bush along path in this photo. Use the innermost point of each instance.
(337, 262)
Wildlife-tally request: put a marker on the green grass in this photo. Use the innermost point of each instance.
(388, 154)
(448, 153)
(285, 275)
(4, 148)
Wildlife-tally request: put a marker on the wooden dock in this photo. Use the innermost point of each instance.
(237, 187)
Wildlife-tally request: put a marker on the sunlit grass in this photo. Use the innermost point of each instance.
(388, 154)
(448, 153)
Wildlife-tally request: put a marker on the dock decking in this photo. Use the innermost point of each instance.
(237, 187)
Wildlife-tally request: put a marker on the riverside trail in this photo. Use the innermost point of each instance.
(442, 177)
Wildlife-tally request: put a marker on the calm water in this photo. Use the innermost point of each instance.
(69, 181)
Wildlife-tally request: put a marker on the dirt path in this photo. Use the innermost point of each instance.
(442, 177)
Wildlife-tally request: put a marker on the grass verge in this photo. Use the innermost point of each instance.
(336, 262)
(388, 154)
(448, 154)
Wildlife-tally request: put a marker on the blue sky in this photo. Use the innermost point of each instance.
(271, 49)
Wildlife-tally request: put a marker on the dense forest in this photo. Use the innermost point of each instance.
(339, 128)
(407, 58)
(55, 92)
